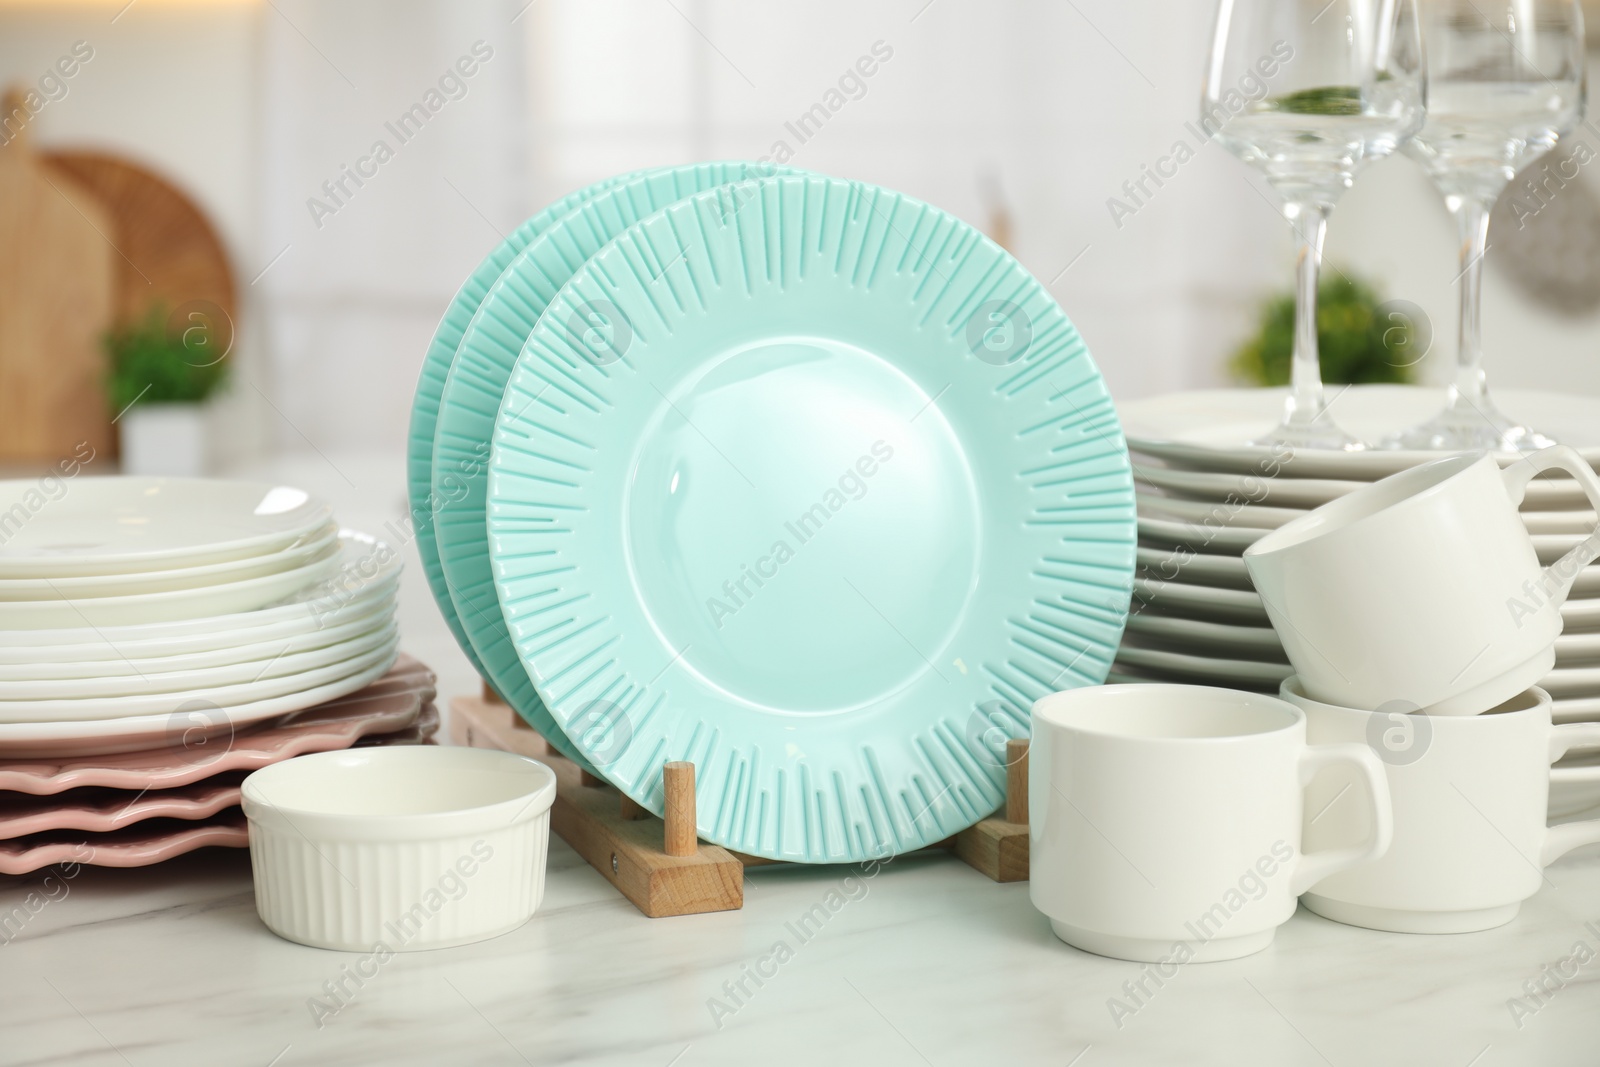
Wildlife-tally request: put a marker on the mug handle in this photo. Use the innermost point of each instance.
(1568, 736)
(1559, 840)
(1559, 457)
(1317, 866)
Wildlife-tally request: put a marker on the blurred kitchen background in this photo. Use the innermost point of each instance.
(237, 124)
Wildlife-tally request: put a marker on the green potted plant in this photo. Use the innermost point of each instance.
(162, 369)
(1360, 339)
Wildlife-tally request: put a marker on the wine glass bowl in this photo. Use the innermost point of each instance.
(1309, 93)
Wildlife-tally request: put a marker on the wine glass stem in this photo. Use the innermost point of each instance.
(1310, 222)
(1472, 220)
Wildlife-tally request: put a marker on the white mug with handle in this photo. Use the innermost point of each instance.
(1470, 800)
(1165, 820)
(1423, 588)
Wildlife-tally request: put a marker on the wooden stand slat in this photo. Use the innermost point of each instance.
(996, 848)
(660, 865)
(1017, 780)
(627, 851)
(680, 831)
(998, 845)
(632, 809)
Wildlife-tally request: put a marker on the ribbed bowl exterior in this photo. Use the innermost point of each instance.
(359, 896)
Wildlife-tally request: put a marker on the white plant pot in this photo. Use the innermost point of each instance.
(164, 439)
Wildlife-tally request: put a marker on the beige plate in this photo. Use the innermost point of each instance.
(1249, 673)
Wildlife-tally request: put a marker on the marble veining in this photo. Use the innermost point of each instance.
(920, 962)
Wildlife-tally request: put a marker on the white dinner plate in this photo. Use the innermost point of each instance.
(1197, 636)
(96, 697)
(303, 551)
(1559, 522)
(1581, 614)
(1197, 567)
(173, 604)
(1223, 527)
(1210, 429)
(1552, 547)
(1548, 497)
(1576, 709)
(1587, 584)
(368, 570)
(1572, 682)
(1256, 489)
(1218, 604)
(1215, 513)
(1578, 647)
(1208, 568)
(1207, 602)
(1125, 674)
(181, 605)
(1218, 540)
(251, 651)
(169, 703)
(1570, 799)
(120, 525)
(187, 727)
(1178, 665)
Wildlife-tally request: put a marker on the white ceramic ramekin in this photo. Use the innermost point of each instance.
(401, 848)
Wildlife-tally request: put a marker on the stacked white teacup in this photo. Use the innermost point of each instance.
(1402, 781)
(1418, 620)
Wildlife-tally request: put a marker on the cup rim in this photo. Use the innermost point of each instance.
(1354, 510)
(1292, 690)
(1045, 710)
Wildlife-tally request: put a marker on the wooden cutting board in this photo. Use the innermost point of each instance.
(170, 251)
(56, 301)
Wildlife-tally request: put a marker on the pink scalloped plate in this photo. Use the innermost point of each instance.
(391, 703)
(420, 732)
(98, 810)
(139, 845)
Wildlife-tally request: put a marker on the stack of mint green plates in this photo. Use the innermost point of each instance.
(797, 479)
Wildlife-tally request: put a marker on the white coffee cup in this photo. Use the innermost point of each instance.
(1470, 796)
(1423, 588)
(1164, 820)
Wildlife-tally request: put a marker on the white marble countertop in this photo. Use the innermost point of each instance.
(926, 963)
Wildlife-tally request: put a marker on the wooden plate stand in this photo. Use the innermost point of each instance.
(660, 864)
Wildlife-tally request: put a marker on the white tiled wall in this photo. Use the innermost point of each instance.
(1059, 103)
(251, 106)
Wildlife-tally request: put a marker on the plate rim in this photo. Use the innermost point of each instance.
(135, 732)
(47, 565)
(436, 362)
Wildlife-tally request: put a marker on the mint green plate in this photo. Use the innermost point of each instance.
(430, 384)
(477, 379)
(817, 488)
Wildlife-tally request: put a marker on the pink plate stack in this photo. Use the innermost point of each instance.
(135, 808)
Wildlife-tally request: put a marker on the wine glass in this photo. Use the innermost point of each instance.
(1505, 80)
(1311, 91)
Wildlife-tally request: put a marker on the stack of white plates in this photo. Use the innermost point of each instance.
(1204, 494)
(139, 613)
